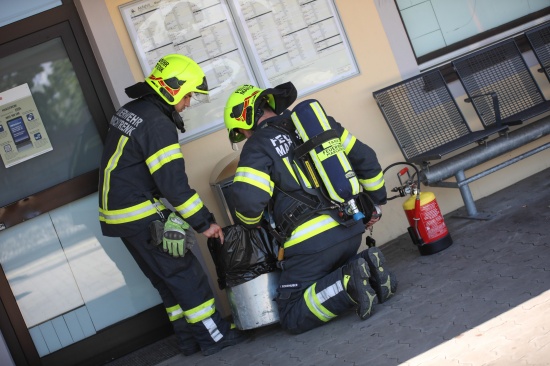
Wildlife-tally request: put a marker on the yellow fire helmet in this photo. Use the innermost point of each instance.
(176, 75)
(245, 106)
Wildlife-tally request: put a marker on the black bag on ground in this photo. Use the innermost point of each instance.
(244, 255)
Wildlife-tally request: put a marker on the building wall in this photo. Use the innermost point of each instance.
(380, 47)
(384, 57)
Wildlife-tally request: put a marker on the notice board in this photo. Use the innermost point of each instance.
(260, 42)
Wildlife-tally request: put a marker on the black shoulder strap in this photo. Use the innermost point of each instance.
(315, 141)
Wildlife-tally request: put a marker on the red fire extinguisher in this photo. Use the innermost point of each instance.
(427, 229)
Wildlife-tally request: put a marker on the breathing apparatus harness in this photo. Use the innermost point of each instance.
(315, 200)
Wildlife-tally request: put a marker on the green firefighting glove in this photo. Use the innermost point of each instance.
(173, 239)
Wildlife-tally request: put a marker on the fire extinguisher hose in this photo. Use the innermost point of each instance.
(416, 216)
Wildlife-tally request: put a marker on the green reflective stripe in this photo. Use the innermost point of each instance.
(130, 214)
(348, 141)
(174, 312)
(311, 228)
(201, 312)
(290, 170)
(373, 184)
(248, 220)
(111, 165)
(190, 207)
(256, 178)
(163, 156)
(315, 301)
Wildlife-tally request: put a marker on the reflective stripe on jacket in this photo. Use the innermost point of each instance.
(267, 169)
(142, 161)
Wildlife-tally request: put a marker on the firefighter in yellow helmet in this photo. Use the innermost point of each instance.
(323, 275)
(142, 162)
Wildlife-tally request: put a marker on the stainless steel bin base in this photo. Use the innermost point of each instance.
(253, 303)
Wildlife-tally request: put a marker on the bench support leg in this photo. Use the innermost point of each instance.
(468, 199)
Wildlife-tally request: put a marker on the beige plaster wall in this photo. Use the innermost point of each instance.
(350, 102)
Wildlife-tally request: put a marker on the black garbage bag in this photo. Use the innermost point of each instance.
(244, 255)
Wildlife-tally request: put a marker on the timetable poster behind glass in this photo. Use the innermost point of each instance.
(202, 30)
(22, 133)
(298, 40)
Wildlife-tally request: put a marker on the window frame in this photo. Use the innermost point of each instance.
(478, 41)
(63, 22)
(101, 108)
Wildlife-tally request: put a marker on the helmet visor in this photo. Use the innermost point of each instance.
(235, 136)
(201, 97)
(201, 92)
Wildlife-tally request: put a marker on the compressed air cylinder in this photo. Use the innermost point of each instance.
(329, 158)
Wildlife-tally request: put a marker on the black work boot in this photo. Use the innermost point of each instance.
(358, 287)
(184, 337)
(382, 280)
(231, 338)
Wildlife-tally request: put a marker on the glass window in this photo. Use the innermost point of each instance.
(56, 91)
(13, 11)
(434, 25)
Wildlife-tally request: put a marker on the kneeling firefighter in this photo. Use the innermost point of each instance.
(287, 181)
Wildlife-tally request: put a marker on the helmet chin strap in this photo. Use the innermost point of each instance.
(178, 121)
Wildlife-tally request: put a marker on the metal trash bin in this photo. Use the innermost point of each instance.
(253, 302)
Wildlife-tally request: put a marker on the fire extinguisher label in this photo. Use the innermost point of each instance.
(433, 220)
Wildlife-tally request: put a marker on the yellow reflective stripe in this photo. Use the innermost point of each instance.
(321, 116)
(348, 141)
(301, 131)
(304, 177)
(314, 302)
(174, 312)
(328, 184)
(163, 156)
(373, 184)
(190, 207)
(330, 148)
(248, 220)
(201, 312)
(130, 214)
(256, 178)
(111, 165)
(290, 170)
(311, 228)
(353, 181)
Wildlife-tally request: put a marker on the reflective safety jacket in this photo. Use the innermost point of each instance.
(142, 161)
(266, 162)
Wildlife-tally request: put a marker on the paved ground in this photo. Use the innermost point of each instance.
(483, 301)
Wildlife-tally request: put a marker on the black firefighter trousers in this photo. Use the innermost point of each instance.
(310, 280)
(179, 281)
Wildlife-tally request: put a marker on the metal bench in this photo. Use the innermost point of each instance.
(425, 119)
(500, 86)
(427, 124)
(539, 38)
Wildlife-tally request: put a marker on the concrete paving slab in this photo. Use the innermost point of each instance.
(484, 301)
